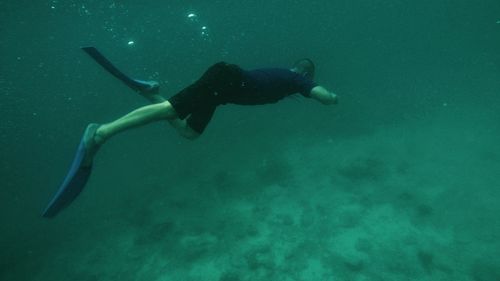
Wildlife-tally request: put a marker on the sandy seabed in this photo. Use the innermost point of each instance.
(418, 202)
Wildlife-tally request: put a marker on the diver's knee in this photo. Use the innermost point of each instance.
(190, 134)
(168, 109)
(187, 132)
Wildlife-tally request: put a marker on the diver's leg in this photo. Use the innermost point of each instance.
(155, 98)
(183, 128)
(152, 94)
(194, 125)
(136, 118)
(180, 125)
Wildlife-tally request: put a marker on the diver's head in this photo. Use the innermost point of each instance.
(305, 67)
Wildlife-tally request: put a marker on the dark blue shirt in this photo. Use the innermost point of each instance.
(269, 85)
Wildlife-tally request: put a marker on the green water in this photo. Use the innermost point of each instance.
(399, 181)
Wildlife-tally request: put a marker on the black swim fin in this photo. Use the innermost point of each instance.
(135, 84)
(77, 176)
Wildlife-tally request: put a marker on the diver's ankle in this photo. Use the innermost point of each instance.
(99, 136)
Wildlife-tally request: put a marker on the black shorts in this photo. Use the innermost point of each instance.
(199, 100)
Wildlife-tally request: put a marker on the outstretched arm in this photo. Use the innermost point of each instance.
(323, 95)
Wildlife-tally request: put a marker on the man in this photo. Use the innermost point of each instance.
(190, 110)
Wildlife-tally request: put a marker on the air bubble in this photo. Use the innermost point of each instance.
(201, 28)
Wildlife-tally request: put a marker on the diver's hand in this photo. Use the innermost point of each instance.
(324, 96)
